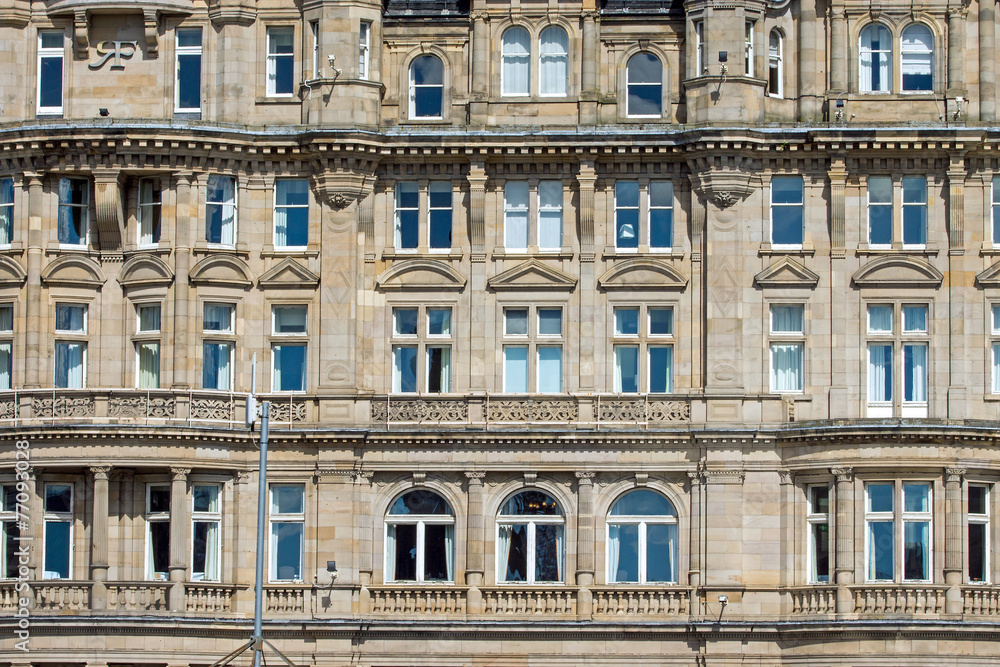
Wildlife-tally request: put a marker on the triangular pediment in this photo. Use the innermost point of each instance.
(532, 275)
(897, 271)
(145, 271)
(288, 274)
(420, 274)
(990, 277)
(639, 273)
(221, 270)
(73, 271)
(11, 273)
(786, 272)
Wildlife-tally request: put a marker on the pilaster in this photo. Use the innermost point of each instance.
(99, 537)
(178, 536)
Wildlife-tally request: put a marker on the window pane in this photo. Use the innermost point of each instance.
(514, 543)
(531, 503)
(915, 318)
(289, 319)
(515, 321)
(820, 536)
(626, 321)
(880, 551)
(420, 501)
(880, 497)
(787, 319)
(916, 498)
(553, 65)
(218, 317)
(159, 549)
(661, 363)
(149, 317)
(515, 369)
(6, 210)
(977, 499)
(287, 541)
(189, 37)
(915, 373)
(439, 199)
(661, 552)
(206, 498)
(58, 498)
(880, 319)
(643, 502)
(548, 552)
(977, 552)
(916, 549)
(786, 367)
(404, 321)
(148, 357)
(786, 190)
(438, 369)
(438, 539)
(623, 553)
(627, 214)
(404, 362)
(515, 72)
(516, 215)
(819, 500)
(205, 551)
(661, 214)
(69, 369)
(70, 318)
(550, 369)
(50, 77)
(404, 538)
(57, 544)
(158, 499)
(189, 80)
(661, 321)
(11, 543)
(289, 367)
(627, 369)
(879, 190)
(439, 321)
(287, 499)
(407, 215)
(550, 321)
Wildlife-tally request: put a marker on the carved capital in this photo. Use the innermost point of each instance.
(363, 476)
(585, 478)
(242, 476)
(179, 474)
(954, 475)
(100, 472)
(842, 474)
(475, 477)
(339, 188)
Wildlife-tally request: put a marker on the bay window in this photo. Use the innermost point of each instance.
(73, 224)
(150, 204)
(898, 518)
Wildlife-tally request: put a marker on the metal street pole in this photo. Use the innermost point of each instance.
(258, 604)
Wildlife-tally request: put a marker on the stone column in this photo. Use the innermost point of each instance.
(480, 81)
(178, 535)
(694, 550)
(953, 542)
(956, 50)
(586, 180)
(183, 223)
(958, 361)
(844, 556)
(987, 61)
(589, 86)
(838, 287)
(810, 77)
(838, 50)
(477, 273)
(33, 286)
(99, 535)
(363, 536)
(475, 561)
(585, 545)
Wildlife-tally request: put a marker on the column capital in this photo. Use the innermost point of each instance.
(100, 472)
(585, 478)
(475, 477)
(179, 474)
(842, 474)
(954, 474)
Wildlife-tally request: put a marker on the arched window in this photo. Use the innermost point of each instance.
(515, 56)
(644, 79)
(420, 538)
(775, 68)
(875, 61)
(642, 539)
(426, 87)
(531, 545)
(917, 59)
(553, 63)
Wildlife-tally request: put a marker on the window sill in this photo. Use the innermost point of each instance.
(187, 114)
(610, 252)
(239, 250)
(423, 253)
(989, 250)
(278, 99)
(60, 249)
(15, 248)
(500, 253)
(160, 249)
(768, 250)
(992, 398)
(426, 121)
(311, 250)
(926, 251)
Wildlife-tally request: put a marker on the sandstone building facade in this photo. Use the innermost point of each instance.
(595, 332)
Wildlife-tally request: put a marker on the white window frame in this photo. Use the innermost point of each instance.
(898, 340)
(225, 205)
(531, 522)
(699, 48)
(273, 519)
(516, 203)
(891, 205)
(10, 531)
(276, 57)
(912, 51)
(784, 338)
(994, 317)
(413, 86)
(6, 346)
(423, 343)
(83, 211)
(629, 113)
(533, 342)
(207, 516)
(642, 521)
(550, 213)
(814, 519)
(777, 206)
(314, 33)
(421, 521)
(7, 195)
(899, 517)
(434, 212)
(152, 518)
(917, 208)
(364, 49)
(643, 342)
(748, 49)
(289, 208)
(509, 60)
(220, 337)
(150, 209)
(553, 57)
(980, 519)
(775, 64)
(51, 52)
(58, 517)
(188, 51)
(299, 339)
(875, 56)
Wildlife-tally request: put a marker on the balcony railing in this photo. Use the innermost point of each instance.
(813, 599)
(437, 600)
(914, 600)
(645, 602)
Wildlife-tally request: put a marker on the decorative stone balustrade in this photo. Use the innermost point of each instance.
(8, 596)
(981, 600)
(813, 599)
(138, 595)
(910, 600)
(288, 599)
(534, 601)
(617, 601)
(61, 595)
(436, 600)
(208, 598)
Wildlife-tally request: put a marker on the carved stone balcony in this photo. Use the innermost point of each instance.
(913, 600)
(813, 600)
(641, 602)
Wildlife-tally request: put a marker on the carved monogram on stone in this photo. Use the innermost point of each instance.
(118, 51)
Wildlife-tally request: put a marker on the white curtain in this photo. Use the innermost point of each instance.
(69, 365)
(875, 59)
(449, 551)
(503, 551)
(915, 363)
(672, 553)
(553, 66)
(280, 226)
(996, 368)
(880, 319)
(149, 365)
(211, 550)
(879, 373)
(390, 553)
(550, 219)
(445, 369)
(222, 198)
(290, 319)
(561, 546)
(5, 370)
(915, 318)
(786, 319)
(516, 50)
(218, 317)
(614, 549)
(516, 215)
(786, 367)
(626, 368)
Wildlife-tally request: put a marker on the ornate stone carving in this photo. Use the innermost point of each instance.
(140, 407)
(724, 199)
(475, 476)
(285, 411)
(532, 410)
(724, 476)
(954, 474)
(363, 476)
(585, 477)
(340, 188)
(641, 411)
(214, 409)
(722, 179)
(61, 407)
(530, 477)
(842, 474)
(8, 409)
(419, 411)
(100, 472)
(242, 476)
(179, 474)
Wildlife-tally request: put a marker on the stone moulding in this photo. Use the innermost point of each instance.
(145, 270)
(142, 407)
(11, 273)
(642, 274)
(221, 270)
(60, 407)
(786, 272)
(214, 409)
(420, 274)
(897, 271)
(419, 411)
(73, 271)
(533, 410)
(529, 275)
